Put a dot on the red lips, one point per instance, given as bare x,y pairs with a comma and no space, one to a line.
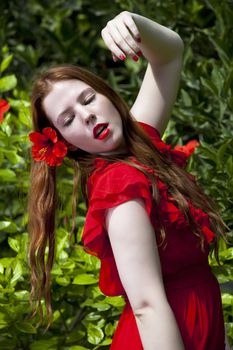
97,128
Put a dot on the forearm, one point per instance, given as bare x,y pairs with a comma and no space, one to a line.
159,330
159,44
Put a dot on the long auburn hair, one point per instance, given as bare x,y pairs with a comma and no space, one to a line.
42,196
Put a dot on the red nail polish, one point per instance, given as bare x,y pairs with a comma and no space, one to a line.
135,58
139,53
139,39
122,57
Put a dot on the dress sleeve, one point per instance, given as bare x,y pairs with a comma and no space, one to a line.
179,154
118,183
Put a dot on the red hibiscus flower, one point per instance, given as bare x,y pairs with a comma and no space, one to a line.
189,148
4,107
47,147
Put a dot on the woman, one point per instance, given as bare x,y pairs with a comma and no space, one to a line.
148,221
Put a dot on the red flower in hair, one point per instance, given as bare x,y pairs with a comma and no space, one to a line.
4,107
47,147
189,148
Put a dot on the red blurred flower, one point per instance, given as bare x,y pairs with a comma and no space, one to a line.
4,107
189,148
47,147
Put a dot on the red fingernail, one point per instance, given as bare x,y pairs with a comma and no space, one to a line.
139,53
122,57
135,58
139,39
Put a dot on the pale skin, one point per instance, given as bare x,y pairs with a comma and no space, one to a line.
136,254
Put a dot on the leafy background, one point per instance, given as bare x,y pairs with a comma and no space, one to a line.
36,34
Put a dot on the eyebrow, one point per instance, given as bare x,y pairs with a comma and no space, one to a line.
68,109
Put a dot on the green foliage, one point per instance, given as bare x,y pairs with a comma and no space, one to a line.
47,33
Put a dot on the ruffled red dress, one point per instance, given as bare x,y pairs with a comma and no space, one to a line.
192,289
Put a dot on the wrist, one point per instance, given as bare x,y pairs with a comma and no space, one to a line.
159,44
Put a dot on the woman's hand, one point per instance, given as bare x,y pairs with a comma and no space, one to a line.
122,36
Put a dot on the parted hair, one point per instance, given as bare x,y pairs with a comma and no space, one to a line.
42,196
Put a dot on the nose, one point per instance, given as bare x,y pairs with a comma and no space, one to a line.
90,118
87,116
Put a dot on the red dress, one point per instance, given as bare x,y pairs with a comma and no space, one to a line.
192,289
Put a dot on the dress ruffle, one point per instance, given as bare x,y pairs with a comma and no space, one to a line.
117,184
178,154
171,214
173,217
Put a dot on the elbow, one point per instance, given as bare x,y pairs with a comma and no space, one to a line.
180,44
158,305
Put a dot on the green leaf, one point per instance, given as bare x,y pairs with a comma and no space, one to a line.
229,166
117,301
186,98
217,79
227,299
8,226
25,327
78,347
14,244
221,151
85,279
44,344
69,264
6,262
12,156
208,150
62,242
1,158
227,254
3,320
4,224
56,270
222,54
63,280
5,126
106,341
94,334
25,119
8,82
17,273
5,63
100,306
210,86
92,316
7,175
1,268
109,329
22,295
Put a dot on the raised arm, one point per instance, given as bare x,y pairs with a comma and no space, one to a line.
163,48
135,251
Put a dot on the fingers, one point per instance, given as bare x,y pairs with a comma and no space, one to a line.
114,57
132,26
121,36
112,45
126,41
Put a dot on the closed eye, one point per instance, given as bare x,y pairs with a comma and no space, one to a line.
88,100
69,120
